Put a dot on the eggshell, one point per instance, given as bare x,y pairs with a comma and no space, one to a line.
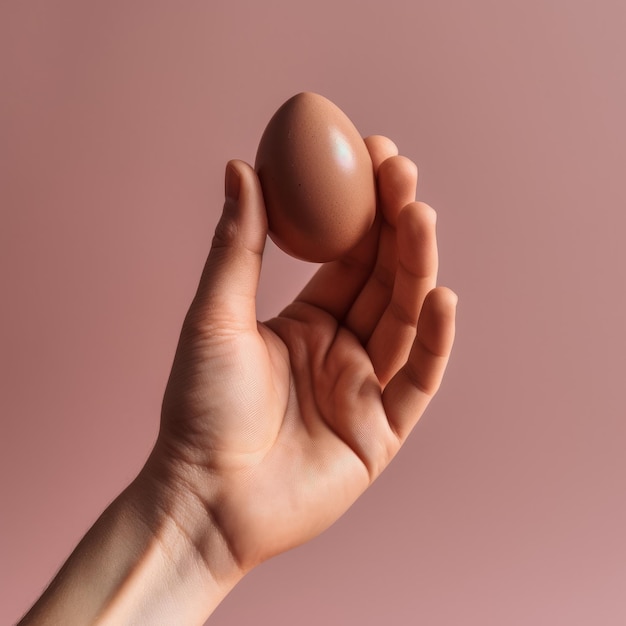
317,179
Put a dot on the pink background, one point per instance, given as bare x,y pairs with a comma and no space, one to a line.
507,505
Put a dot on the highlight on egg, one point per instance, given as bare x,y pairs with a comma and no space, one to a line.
317,179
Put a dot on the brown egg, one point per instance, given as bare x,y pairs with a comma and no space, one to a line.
317,179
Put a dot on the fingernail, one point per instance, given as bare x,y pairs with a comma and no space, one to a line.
232,184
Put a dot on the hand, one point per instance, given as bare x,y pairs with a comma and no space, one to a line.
268,431
271,430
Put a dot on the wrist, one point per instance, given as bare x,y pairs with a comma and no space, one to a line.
146,560
185,533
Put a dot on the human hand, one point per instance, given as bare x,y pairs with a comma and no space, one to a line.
270,431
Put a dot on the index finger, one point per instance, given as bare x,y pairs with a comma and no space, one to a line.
336,285
380,149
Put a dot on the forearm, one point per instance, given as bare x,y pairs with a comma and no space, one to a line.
137,565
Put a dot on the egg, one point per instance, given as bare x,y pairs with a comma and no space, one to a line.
317,179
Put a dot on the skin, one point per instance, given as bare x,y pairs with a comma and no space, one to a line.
269,431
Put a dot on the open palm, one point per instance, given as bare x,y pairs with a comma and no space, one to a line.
277,428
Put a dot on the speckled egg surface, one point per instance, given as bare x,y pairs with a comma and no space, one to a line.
317,179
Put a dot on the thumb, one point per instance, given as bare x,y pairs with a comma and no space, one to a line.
226,296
